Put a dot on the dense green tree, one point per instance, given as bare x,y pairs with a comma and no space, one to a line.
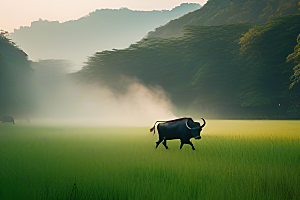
295,78
16,79
295,56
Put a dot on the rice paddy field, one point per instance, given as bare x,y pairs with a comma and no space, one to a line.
233,160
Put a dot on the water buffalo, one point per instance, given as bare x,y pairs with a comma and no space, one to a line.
7,119
182,128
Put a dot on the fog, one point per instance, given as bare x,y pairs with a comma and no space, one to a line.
100,30
61,100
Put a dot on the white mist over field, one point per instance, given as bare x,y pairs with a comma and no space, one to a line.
63,101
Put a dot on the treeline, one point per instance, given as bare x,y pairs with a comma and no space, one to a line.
226,71
295,56
16,79
217,12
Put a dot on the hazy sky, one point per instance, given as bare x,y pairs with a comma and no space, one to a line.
16,13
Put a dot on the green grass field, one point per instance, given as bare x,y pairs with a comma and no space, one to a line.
233,160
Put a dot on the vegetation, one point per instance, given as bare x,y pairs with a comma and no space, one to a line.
225,71
232,70
15,73
217,12
233,160
265,54
295,56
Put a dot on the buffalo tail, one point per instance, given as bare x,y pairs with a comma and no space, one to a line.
153,129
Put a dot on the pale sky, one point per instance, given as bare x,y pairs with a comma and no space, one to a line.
16,13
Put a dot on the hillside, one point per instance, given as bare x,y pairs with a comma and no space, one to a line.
103,29
217,12
16,83
226,71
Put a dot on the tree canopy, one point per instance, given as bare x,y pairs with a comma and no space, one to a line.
295,56
225,71
16,86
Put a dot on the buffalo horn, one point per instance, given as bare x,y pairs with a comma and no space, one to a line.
204,123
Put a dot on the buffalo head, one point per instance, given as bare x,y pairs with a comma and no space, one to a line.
195,128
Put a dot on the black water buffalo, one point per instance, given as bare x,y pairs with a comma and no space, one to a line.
182,128
7,119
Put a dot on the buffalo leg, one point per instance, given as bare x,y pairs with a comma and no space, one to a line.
181,145
165,143
190,143
158,142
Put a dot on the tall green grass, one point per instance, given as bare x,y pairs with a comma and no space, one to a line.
233,160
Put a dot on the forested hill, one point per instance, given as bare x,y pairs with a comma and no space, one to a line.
226,71
16,79
102,29
217,12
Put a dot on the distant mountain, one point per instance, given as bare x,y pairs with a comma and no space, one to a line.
217,12
103,29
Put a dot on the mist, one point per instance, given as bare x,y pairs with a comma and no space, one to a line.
63,100
100,30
